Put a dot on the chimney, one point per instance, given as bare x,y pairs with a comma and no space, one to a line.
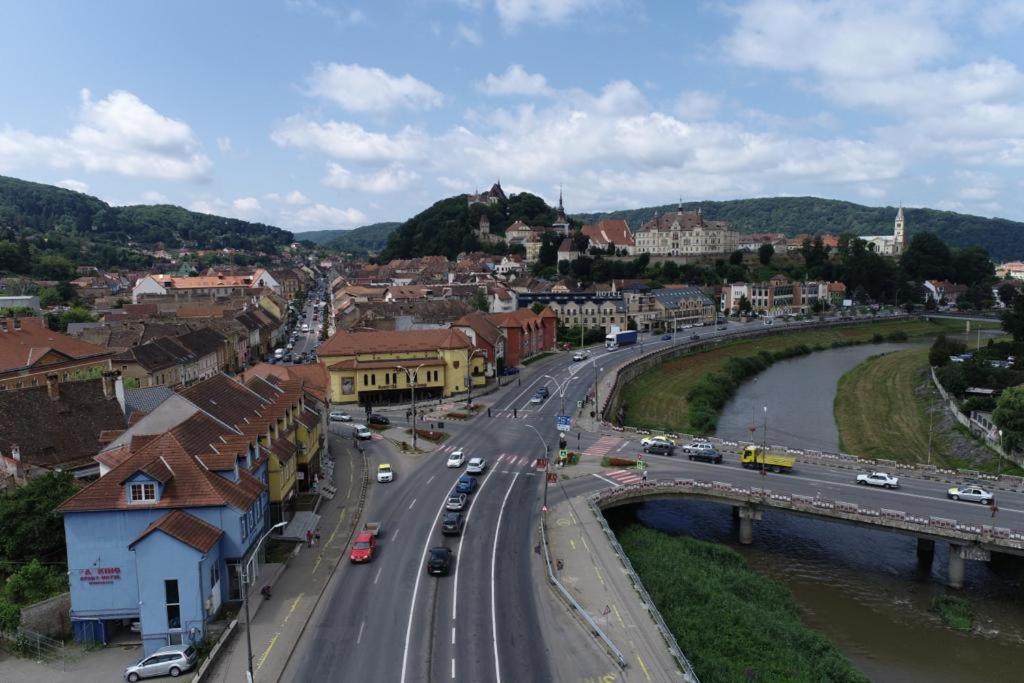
52,388
108,384
16,452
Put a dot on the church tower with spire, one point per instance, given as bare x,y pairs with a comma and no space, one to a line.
899,236
561,224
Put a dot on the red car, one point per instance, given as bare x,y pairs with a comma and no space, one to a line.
363,547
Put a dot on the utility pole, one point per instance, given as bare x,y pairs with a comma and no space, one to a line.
764,441
410,376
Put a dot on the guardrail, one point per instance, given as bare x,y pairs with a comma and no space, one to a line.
614,651
949,529
670,640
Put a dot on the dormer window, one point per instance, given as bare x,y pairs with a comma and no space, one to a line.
141,493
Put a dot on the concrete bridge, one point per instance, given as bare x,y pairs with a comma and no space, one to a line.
967,541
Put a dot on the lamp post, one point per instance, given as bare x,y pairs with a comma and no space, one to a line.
469,374
410,376
999,464
597,377
547,463
764,442
245,598
560,388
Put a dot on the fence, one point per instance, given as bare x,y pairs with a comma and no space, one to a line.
40,648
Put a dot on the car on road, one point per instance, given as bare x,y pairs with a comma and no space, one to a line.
172,660
305,326
287,358
456,459
706,455
694,337
476,466
648,440
543,391
439,562
466,484
578,356
362,432
340,416
698,447
385,473
537,399
666,337
883,479
376,419
510,371
971,493
456,501
660,448
452,523
363,548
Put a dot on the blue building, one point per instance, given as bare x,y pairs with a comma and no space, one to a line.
159,538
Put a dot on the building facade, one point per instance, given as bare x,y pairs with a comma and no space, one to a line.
30,351
685,233
889,245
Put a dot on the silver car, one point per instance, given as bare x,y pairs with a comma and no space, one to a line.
172,660
972,493
456,501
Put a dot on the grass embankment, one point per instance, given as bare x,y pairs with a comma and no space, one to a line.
657,398
955,612
732,623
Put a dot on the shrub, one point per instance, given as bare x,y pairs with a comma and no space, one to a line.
430,434
897,336
877,338
955,612
612,461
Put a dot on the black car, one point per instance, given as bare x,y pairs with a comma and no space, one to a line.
451,524
658,448
439,562
706,455
287,358
378,419
694,337
543,391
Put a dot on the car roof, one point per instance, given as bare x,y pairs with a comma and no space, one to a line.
167,649
384,466
478,458
364,536
440,549
457,495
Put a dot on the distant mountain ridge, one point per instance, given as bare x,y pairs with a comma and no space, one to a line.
364,239
1002,238
39,208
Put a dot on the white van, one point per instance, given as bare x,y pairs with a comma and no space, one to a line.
305,327
279,353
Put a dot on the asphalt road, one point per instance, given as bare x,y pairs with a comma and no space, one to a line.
389,621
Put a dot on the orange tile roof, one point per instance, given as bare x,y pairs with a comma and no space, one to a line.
352,343
186,528
23,341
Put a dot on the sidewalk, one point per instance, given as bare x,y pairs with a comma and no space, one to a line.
277,623
597,579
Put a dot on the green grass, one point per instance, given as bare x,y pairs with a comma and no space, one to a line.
657,398
732,623
955,612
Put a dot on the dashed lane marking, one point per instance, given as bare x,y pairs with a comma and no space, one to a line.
263,657
295,603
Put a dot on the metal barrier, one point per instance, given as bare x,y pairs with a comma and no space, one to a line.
615,652
39,647
689,674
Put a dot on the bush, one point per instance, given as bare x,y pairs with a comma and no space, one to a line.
897,336
612,461
877,338
955,612
430,434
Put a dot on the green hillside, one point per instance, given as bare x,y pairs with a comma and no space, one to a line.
34,211
798,215
361,240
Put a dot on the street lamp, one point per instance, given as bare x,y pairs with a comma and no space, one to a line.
469,374
547,463
764,442
597,403
410,376
245,579
999,464
560,388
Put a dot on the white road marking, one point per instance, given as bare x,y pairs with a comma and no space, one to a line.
624,444
613,483
360,638
431,478
412,503
377,577
494,564
472,504
394,535
453,635
453,668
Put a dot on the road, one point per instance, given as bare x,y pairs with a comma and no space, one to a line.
390,621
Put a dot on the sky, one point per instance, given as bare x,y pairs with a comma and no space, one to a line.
314,114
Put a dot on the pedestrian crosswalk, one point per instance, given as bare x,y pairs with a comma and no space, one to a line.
625,476
505,461
602,446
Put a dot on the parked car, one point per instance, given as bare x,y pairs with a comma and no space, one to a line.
886,481
456,459
439,562
706,455
465,484
697,447
340,416
172,660
362,432
972,493
363,548
376,419
452,523
660,448
648,440
456,501
385,473
476,466
510,371
666,337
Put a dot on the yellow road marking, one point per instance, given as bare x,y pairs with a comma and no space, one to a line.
295,603
562,521
644,667
584,542
572,543
618,616
263,657
598,572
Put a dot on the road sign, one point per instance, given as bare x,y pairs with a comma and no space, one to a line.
552,477
564,423
541,464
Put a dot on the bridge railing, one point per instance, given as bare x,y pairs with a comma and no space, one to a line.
950,529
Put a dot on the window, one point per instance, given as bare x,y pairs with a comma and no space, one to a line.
173,603
455,365
214,574
140,493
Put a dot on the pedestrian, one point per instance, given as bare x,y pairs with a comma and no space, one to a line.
316,537
644,476
519,382
309,538
995,509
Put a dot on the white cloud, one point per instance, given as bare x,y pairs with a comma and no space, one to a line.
214,206
360,89
871,191
515,12
153,197
325,216
391,179
118,134
72,184
469,34
224,144
296,198
516,81
696,104
977,186
1001,16
349,140
246,204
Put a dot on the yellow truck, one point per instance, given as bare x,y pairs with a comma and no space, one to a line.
754,457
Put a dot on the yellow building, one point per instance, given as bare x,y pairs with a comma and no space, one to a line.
307,439
370,368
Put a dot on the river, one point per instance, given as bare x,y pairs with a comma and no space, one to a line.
860,587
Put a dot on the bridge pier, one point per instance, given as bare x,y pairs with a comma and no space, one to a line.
925,552
745,516
956,566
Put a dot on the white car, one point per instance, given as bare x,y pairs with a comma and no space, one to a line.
339,416
476,466
385,473
886,481
362,432
578,356
456,459
970,492
657,438
698,447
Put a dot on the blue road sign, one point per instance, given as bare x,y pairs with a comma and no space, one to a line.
564,423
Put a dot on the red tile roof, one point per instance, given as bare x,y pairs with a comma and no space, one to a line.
352,343
609,231
23,341
186,528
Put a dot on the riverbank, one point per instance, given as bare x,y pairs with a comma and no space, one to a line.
733,623
657,399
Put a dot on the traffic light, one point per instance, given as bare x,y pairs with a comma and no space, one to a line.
561,444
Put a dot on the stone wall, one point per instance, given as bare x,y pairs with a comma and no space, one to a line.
50,617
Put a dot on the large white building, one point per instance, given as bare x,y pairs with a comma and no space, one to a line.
889,245
685,233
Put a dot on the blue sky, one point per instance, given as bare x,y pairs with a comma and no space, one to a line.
312,114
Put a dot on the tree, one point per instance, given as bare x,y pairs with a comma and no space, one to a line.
28,526
928,258
736,258
564,267
479,301
537,307
1006,293
765,253
631,324
942,348
743,306
1009,416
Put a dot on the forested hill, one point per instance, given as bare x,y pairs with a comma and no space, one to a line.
362,240
1003,239
39,209
446,228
